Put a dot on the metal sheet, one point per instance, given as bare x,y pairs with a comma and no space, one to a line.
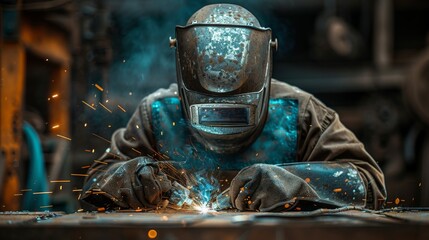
171,224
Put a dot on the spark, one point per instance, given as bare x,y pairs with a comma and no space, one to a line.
79,175
122,109
85,124
55,126
86,166
55,95
87,104
338,190
137,151
47,206
203,209
130,93
98,161
101,137
152,233
110,111
61,187
60,181
39,193
47,59
77,190
66,138
96,193
99,87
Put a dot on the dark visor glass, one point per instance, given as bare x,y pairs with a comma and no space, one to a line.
223,116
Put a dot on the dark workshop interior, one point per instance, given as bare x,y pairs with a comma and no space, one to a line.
73,71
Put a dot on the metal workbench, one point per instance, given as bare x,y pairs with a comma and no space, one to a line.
170,224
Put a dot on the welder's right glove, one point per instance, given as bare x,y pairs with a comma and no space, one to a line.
265,187
152,184
136,183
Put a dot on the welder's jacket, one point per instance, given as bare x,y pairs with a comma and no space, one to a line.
301,134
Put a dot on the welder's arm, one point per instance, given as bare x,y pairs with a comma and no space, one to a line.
324,138
136,183
265,187
126,175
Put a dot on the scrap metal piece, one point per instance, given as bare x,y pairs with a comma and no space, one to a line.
180,196
222,201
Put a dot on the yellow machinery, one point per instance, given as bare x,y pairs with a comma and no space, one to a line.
19,37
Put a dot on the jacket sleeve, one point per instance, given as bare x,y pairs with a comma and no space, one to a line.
113,179
323,138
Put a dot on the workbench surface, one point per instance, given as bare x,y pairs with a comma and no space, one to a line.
171,224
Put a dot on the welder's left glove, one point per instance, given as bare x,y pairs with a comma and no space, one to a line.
265,187
135,183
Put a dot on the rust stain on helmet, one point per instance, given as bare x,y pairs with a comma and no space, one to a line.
224,13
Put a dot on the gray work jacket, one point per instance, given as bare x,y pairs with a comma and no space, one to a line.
321,138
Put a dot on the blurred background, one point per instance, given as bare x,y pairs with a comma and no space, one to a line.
73,71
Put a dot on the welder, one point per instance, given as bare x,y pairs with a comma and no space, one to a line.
272,146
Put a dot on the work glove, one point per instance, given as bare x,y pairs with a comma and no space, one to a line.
154,184
134,183
264,187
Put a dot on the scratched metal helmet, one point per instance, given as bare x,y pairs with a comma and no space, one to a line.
223,61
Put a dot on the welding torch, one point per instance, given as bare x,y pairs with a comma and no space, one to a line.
182,197
222,201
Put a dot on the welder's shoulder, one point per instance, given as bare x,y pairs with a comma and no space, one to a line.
283,90
306,100
161,93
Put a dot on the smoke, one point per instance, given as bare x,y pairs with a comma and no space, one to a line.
205,188
200,192
142,59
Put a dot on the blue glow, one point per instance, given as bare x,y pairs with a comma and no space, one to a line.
206,186
327,174
199,192
276,144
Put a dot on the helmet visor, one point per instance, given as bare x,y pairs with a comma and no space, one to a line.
217,59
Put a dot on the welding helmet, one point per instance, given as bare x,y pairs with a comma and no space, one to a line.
223,63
